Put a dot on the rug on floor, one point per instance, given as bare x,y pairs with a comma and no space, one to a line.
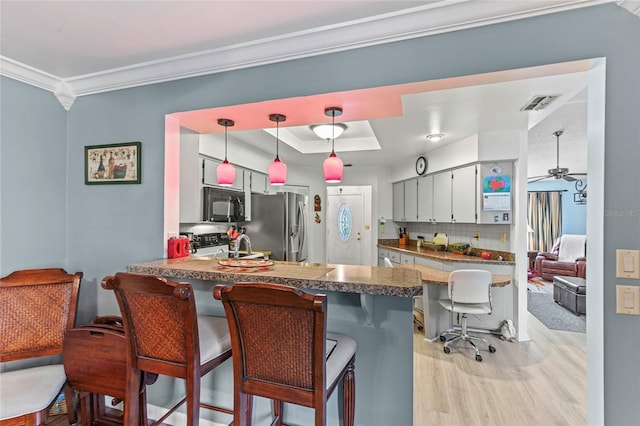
554,316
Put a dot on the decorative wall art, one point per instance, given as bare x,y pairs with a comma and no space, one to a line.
114,163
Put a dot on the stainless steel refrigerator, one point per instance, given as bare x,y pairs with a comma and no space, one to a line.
279,224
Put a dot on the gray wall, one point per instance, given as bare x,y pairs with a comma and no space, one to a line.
109,227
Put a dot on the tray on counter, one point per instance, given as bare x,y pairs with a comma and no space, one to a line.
246,263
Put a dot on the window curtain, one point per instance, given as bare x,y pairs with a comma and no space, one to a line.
544,219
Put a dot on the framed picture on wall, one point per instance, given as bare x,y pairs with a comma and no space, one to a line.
112,164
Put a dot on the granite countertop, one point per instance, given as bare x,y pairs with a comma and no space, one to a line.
438,277
400,282
445,256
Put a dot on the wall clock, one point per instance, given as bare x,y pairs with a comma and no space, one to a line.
421,165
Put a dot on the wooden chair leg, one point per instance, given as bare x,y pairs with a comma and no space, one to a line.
131,403
278,412
349,394
243,408
193,400
70,399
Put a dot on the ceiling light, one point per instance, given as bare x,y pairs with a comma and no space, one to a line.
225,172
435,137
277,169
333,166
327,131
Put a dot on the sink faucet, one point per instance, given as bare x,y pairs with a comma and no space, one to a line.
237,246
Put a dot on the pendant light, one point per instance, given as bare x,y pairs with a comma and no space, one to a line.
277,169
226,172
333,166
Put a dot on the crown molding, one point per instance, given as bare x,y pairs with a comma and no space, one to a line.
435,18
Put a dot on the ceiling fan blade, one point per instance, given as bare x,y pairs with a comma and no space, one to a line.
569,178
537,178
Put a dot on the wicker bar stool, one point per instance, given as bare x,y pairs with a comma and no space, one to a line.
166,336
37,306
282,351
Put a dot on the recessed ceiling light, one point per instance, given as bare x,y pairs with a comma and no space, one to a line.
435,137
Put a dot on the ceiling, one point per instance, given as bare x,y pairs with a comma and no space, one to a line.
77,48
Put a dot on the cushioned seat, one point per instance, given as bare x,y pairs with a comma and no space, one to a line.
567,258
41,384
571,292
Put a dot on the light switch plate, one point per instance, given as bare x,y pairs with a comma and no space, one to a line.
628,264
628,299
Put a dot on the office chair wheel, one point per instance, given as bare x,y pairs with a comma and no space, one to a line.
420,328
492,349
479,358
443,338
447,350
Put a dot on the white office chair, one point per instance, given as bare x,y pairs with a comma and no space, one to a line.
387,263
469,293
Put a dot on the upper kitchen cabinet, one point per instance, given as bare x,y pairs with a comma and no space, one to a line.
405,201
190,179
463,195
425,199
454,195
209,175
260,184
442,197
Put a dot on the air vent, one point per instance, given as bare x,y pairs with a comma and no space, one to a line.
538,103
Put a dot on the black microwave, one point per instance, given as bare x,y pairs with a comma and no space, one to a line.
222,205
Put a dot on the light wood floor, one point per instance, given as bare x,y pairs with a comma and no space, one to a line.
537,383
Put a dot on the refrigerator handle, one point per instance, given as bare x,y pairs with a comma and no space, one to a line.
302,231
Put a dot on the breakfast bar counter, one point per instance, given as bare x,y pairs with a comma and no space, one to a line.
313,276
372,305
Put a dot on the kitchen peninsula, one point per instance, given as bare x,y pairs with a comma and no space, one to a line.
372,305
435,266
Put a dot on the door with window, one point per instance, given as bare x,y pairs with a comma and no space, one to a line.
348,235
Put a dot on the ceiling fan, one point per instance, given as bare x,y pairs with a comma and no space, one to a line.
558,172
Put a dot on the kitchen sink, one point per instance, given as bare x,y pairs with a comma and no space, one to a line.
254,255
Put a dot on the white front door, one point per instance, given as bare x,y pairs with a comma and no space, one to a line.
347,229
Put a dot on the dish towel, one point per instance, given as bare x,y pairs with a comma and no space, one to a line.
572,247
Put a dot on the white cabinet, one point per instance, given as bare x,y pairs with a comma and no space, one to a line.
406,259
260,184
405,201
411,200
247,195
382,253
442,197
463,195
425,199
190,180
398,201
454,195
210,177
394,257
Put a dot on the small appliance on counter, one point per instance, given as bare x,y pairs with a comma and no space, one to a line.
178,247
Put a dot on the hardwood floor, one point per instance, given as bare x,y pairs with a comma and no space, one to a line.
536,383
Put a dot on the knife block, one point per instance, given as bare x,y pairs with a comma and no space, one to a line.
404,240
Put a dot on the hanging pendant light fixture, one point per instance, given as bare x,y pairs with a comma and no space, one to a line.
226,172
277,169
333,166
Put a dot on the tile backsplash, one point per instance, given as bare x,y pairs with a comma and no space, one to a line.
492,237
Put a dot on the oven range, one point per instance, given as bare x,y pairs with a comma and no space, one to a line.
211,245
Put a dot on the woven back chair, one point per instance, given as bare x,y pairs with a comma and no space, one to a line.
166,336
279,340
37,307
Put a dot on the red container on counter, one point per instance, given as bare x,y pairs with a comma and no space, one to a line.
178,247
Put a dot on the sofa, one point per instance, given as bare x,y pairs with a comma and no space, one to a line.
567,258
